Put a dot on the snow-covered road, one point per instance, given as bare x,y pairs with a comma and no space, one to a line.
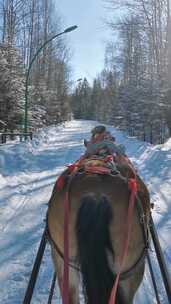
27,175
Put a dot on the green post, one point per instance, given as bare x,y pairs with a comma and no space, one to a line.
69,29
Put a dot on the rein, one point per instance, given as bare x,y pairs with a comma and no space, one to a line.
65,283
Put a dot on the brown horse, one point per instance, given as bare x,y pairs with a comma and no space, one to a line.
98,205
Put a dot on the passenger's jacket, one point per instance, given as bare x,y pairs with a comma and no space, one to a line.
105,146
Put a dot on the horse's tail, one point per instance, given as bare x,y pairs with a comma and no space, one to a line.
94,247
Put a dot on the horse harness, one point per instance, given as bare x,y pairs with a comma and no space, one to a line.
100,166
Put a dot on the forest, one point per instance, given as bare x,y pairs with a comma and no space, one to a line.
132,92
24,27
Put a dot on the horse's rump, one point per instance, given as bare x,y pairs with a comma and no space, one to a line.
102,200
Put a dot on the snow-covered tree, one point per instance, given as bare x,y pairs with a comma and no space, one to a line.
11,87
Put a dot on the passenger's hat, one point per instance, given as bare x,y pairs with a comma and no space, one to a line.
98,130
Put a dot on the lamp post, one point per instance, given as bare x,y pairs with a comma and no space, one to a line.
67,30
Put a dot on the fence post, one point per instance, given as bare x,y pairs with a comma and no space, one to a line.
3,138
144,135
151,133
161,133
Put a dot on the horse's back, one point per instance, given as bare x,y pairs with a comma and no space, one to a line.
117,195
116,190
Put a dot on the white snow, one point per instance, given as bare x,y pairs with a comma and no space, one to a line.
27,175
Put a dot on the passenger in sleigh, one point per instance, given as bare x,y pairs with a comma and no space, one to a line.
102,143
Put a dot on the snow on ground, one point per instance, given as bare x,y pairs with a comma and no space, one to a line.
27,175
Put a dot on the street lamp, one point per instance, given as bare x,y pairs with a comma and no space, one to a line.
67,30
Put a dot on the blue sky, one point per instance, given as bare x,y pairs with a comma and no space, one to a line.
88,41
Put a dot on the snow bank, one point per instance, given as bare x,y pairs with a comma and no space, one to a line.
27,175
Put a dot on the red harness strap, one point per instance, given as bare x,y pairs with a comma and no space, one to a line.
65,283
61,179
133,187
